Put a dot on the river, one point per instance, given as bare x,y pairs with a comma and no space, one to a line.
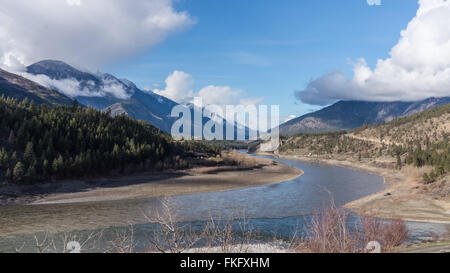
278,210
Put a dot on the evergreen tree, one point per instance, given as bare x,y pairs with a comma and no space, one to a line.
8,174
11,137
58,164
18,171
399,162
28,155
3,158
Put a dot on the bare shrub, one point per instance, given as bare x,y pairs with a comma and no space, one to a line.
395,234
329,232
390,234
50,243
170,236
230,236
122,241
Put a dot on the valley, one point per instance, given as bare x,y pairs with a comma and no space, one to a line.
411,153
107,153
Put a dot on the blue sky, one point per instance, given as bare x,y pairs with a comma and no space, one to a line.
270,48
299,54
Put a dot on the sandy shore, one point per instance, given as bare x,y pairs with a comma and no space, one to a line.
401,199
147,185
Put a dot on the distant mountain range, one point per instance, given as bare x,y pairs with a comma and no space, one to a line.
348,115
105,92
98,90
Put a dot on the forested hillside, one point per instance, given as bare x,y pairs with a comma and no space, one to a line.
39,143
419,140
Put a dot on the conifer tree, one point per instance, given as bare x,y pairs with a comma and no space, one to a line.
18,171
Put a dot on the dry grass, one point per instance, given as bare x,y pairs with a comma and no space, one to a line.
234,158
414,173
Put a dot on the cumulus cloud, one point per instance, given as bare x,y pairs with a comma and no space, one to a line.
418,67
179,87
220,95
83,32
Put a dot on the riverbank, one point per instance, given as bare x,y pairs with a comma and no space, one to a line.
148,185
403,198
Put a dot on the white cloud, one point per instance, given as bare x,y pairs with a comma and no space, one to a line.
251,101
220,95
74,2
291,117
73,88
418,67
83,32
374,2
179,87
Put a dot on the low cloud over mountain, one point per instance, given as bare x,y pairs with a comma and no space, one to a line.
76,83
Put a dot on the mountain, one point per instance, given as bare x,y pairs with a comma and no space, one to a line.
348,115
424,128
96,90
106,92
420,140
118,96
144,106
15,86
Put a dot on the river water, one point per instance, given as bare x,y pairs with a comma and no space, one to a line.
278,210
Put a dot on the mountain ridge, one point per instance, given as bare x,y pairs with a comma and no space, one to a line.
348,115
105,92
135,103
138,104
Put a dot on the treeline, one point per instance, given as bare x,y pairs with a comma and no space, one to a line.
230,144
39,143
324,143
